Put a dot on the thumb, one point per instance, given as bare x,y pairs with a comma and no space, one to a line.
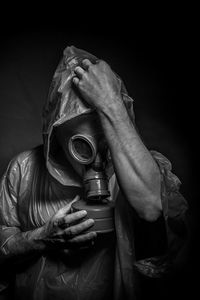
67,208
75,199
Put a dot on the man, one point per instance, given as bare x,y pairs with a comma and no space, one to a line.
52,250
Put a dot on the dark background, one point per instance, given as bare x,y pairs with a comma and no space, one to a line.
155,56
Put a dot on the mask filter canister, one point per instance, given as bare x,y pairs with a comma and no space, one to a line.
83,149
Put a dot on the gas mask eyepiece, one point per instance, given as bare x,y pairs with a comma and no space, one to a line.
82,148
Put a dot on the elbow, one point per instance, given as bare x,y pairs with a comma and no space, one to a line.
152,211
152,215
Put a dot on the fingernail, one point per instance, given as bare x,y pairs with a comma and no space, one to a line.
83,212
91,221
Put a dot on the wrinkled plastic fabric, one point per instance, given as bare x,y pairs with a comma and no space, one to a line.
65,103
34,187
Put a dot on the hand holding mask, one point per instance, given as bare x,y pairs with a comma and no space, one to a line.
68,230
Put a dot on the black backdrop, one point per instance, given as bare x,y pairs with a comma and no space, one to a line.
154,59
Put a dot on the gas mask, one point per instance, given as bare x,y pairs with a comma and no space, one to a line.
90,152
86,147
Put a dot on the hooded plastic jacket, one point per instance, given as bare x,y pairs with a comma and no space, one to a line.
36,185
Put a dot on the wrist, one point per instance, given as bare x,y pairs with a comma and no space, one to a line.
35,237
114,110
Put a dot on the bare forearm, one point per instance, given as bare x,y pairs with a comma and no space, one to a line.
22,246
136,170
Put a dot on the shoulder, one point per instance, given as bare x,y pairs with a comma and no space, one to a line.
31,154
24,160
20,170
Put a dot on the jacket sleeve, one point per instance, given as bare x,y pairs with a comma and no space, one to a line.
170,232
149,248
9,223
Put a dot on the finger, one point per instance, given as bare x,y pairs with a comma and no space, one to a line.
86,63
79,71
102,62
76,80
75,199
73,217
67,208
76,229
83,238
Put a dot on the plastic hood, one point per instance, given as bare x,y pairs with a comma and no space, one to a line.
64,103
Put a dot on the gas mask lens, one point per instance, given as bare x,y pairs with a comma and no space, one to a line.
82,148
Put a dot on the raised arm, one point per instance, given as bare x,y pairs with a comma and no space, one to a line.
137,172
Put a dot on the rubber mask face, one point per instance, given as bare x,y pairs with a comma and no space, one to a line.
82,139
85,147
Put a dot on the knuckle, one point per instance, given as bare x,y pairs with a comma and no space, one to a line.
102,62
